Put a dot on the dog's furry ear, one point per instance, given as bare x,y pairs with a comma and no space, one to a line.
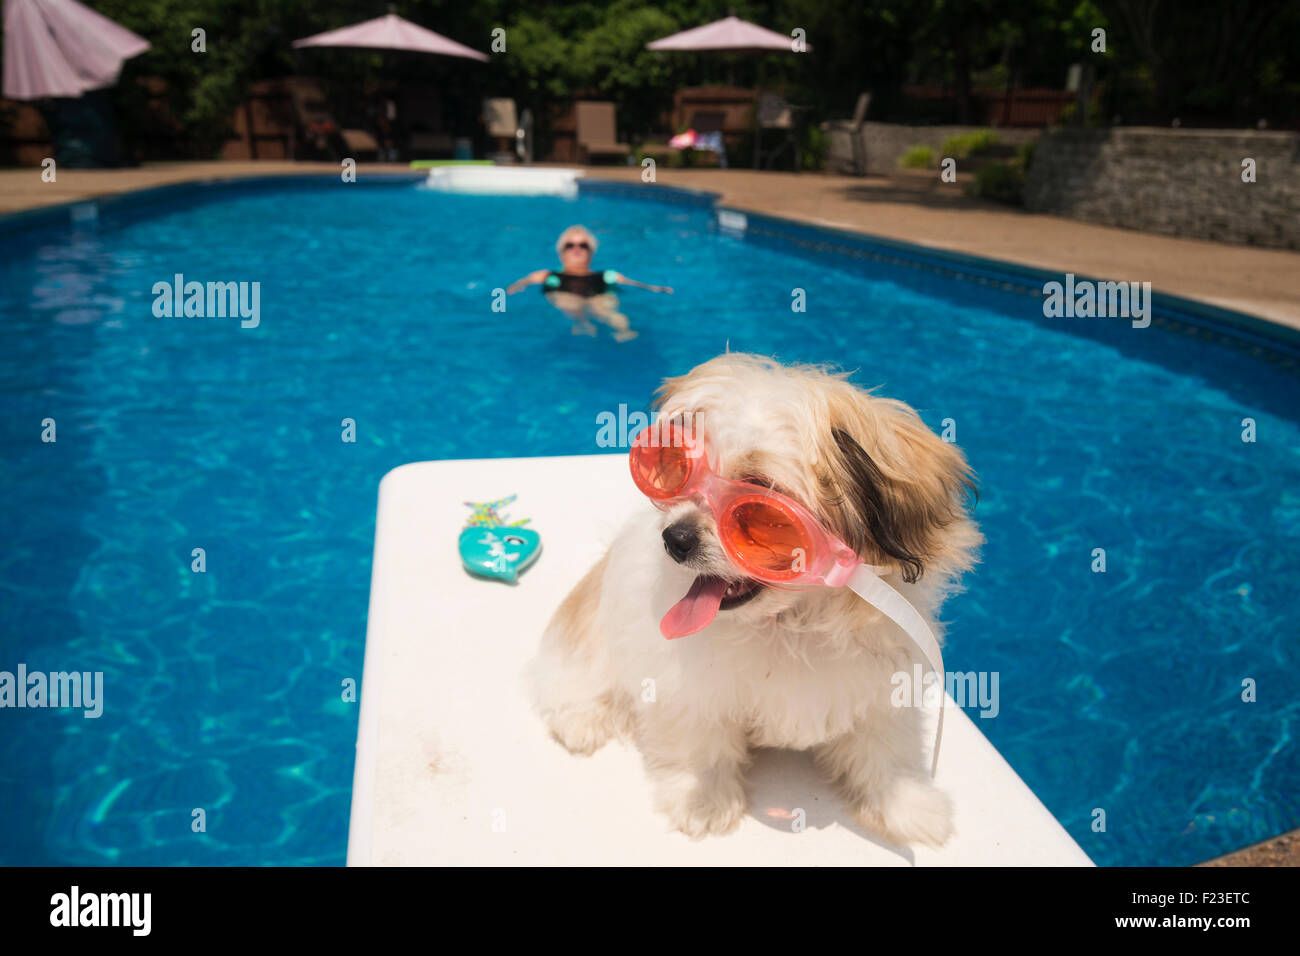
898,502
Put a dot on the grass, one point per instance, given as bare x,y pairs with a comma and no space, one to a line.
430,163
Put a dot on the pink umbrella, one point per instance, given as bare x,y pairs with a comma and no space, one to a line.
391,32
729,35
59,48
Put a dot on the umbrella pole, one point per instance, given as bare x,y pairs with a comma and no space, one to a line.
293,125
758,95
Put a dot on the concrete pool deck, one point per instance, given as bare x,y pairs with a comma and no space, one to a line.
1257,281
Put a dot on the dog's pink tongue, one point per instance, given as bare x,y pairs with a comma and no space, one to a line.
694,612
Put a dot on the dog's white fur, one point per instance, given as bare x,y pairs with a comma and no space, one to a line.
799,669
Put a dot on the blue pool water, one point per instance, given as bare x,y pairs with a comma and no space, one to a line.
1120,691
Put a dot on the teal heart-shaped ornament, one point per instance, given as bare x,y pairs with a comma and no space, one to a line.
500,553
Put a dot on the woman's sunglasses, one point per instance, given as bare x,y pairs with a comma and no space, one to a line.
577,245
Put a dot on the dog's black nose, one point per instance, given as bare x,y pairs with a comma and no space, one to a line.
682,540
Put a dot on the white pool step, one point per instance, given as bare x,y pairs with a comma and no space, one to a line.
454,768
505,180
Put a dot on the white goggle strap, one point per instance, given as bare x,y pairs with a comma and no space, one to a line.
868,585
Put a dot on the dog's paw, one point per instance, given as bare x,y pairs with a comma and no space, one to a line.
581,732
706,810
911,811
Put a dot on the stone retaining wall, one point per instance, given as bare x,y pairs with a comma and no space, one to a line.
1172,181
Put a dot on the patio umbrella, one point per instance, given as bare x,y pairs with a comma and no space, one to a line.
61,49
728,35
391,32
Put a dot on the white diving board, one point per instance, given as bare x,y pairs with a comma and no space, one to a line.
454,768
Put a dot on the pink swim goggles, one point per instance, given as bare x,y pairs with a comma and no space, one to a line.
768,536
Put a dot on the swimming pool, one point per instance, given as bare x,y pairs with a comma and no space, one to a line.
1119,690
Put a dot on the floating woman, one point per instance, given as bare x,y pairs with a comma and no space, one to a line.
577,291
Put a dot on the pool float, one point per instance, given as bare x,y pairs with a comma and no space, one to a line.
492,547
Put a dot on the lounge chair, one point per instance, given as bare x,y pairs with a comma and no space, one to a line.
360,142
597,132
316,124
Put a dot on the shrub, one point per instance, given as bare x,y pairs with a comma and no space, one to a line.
917,157
1004,182
1025,155
1000,181
969,144
816,146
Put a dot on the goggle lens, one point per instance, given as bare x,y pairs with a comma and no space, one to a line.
661,461
770,542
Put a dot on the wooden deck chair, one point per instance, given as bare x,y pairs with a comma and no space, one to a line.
597,131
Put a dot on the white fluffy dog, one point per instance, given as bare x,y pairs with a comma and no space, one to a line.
775,668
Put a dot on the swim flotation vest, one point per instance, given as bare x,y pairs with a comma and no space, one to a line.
591,284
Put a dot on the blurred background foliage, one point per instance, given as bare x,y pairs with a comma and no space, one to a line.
1206,63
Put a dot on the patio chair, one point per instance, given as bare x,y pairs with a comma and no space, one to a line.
853,129
502,124
597,132
774,113
317,125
